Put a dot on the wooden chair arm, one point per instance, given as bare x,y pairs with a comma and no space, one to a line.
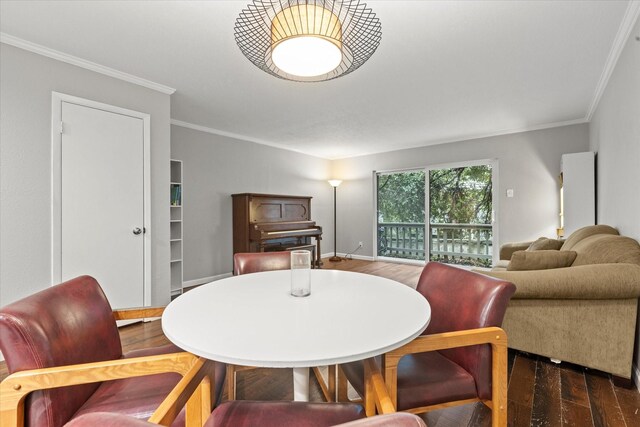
137,313
376,394
16,386
194,390
424,343
494,336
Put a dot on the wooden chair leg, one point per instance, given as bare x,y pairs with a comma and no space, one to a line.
231,382
194,416
342,386
369,400
378,393
200,405
332,382
499,383
328,387
208,398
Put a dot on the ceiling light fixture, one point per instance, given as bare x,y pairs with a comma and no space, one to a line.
308,40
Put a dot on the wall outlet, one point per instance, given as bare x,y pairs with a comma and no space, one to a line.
360,244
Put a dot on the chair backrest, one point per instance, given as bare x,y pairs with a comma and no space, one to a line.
62,325
461,300
244,263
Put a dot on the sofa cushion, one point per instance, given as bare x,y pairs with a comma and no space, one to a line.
499,265
605,249
596,281
137,397
423,379
541,260
543,244
585,232
429,379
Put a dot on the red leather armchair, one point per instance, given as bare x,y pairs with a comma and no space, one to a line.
462,355
63,351
271,414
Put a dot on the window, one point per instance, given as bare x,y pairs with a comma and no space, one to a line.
459,203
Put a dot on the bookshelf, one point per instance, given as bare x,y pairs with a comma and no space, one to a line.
175,228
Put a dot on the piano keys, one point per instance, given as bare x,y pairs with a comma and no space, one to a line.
269,222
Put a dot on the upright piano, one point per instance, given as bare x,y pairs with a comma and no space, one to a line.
270,222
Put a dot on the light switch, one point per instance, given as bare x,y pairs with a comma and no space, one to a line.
510,192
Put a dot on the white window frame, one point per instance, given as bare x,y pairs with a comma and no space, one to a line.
495,201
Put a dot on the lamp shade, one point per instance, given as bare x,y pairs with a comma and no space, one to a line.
335,182
308,40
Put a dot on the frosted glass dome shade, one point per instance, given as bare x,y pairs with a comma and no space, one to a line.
306,56
306,41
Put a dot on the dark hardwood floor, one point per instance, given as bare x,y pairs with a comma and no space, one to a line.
540,393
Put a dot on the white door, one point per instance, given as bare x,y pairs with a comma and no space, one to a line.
102,201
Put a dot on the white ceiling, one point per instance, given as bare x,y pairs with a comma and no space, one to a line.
444,71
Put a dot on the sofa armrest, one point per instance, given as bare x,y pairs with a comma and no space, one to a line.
594,281
508,249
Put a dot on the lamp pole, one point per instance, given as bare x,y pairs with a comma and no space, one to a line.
335,258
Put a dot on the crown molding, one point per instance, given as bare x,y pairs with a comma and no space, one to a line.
240,137
419,145
471,137
624,31
83,63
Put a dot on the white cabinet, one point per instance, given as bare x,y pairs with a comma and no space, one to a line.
175,228
578,191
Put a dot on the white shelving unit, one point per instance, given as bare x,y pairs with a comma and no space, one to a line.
175,228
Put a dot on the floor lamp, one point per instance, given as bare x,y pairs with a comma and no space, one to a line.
334,183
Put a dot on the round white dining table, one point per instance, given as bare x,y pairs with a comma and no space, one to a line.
252,320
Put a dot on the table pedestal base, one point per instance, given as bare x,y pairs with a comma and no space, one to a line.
301,384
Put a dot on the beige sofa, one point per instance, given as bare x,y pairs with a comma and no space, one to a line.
584,313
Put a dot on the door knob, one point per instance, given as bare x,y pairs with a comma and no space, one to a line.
137,231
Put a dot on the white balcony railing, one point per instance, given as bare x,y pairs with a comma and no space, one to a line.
451,243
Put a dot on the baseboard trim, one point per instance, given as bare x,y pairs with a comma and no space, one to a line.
402,261
351,256
635,376
362,257
203,280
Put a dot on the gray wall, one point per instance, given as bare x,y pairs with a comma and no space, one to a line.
615,136
214,167
26,83
528,162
